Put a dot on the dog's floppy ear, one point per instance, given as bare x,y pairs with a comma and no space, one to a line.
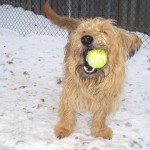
130,43
61,21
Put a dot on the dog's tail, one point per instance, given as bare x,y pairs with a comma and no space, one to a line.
61,21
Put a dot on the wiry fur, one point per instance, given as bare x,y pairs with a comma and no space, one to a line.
99,92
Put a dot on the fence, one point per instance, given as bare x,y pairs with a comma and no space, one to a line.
133,15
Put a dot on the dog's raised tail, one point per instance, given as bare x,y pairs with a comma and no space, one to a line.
61,21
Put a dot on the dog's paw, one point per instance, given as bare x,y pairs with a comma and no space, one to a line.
62,132
105,133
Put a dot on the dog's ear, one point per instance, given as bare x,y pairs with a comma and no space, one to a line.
61,21
130,43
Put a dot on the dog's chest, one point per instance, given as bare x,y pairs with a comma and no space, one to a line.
88,100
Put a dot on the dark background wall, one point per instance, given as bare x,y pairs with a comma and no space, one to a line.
133,15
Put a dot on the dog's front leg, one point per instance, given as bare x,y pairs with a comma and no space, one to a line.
99,127
67,121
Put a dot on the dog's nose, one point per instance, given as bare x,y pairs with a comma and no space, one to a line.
87,40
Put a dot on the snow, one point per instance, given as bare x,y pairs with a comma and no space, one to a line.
31,67
26,22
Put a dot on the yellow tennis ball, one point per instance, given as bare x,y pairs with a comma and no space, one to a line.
96,58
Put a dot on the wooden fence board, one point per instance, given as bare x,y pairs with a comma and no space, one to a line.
147,18
29,5
132,10
123,13
76,11
115,10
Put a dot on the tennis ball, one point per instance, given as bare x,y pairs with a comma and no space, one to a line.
96,58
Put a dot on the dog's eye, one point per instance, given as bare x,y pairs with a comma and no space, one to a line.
105,32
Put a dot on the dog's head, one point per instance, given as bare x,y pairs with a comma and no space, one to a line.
89,34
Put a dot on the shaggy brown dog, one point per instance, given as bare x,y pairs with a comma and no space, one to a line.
84,87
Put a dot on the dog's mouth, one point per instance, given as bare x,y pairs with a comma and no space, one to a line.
87,68
85,71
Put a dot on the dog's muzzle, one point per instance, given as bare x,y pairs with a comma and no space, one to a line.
87,41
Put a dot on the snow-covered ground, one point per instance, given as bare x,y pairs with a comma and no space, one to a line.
30,73
26,22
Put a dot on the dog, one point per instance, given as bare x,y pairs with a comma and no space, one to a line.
84,87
